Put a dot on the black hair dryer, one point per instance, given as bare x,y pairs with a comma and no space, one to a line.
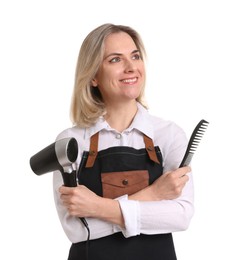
60,155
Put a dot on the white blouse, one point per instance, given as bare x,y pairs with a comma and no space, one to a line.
155,217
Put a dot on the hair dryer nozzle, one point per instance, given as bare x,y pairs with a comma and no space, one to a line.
58,156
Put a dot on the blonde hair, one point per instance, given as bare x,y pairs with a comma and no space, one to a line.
87,104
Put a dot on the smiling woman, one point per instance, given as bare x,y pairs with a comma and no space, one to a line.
95,53
130,190
120,78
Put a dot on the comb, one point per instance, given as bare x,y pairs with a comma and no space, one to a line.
194,141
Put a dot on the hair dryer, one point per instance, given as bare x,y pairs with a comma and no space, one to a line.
60,155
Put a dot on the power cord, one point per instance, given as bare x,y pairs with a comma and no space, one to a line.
88,238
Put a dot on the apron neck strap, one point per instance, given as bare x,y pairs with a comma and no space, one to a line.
93,150
149,146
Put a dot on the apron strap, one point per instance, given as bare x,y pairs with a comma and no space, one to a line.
93,150
149,146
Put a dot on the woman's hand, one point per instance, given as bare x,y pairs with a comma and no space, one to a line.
79,201
167,187
170,185
82,202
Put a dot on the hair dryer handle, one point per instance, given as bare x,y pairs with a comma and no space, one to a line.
69,179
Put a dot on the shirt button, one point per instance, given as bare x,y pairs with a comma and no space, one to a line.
118,136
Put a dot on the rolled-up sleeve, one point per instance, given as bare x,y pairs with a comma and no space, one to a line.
131,213
158,217
168,216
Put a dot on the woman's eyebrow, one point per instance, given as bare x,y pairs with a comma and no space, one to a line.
119,54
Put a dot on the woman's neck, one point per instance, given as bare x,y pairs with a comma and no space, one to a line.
120,116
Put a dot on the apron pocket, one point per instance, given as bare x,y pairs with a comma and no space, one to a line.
116,184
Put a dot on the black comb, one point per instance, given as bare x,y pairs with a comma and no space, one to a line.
194,141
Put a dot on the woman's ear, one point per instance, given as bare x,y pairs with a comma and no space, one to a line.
94,83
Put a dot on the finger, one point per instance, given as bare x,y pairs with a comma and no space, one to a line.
184,178
186,168
63,190
182,171
64,198
66,190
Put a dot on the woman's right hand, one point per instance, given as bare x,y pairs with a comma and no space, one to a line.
167,187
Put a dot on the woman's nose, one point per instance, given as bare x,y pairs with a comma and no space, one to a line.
129,66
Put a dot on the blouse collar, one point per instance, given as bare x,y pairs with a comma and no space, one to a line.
141,122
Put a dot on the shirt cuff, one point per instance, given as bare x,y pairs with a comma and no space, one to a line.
131,214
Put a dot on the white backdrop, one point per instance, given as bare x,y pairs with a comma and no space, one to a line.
192,74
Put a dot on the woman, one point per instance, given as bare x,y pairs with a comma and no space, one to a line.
131,192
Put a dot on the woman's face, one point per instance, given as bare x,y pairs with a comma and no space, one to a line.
122,74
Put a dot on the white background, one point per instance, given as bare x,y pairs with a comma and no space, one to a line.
192,74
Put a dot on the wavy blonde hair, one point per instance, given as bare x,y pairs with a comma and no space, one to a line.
87,104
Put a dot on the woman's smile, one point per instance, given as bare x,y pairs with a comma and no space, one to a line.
129,80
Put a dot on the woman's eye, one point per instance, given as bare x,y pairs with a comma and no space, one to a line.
115,59
136,57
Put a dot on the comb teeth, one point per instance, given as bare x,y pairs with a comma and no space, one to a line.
194,141
198,134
